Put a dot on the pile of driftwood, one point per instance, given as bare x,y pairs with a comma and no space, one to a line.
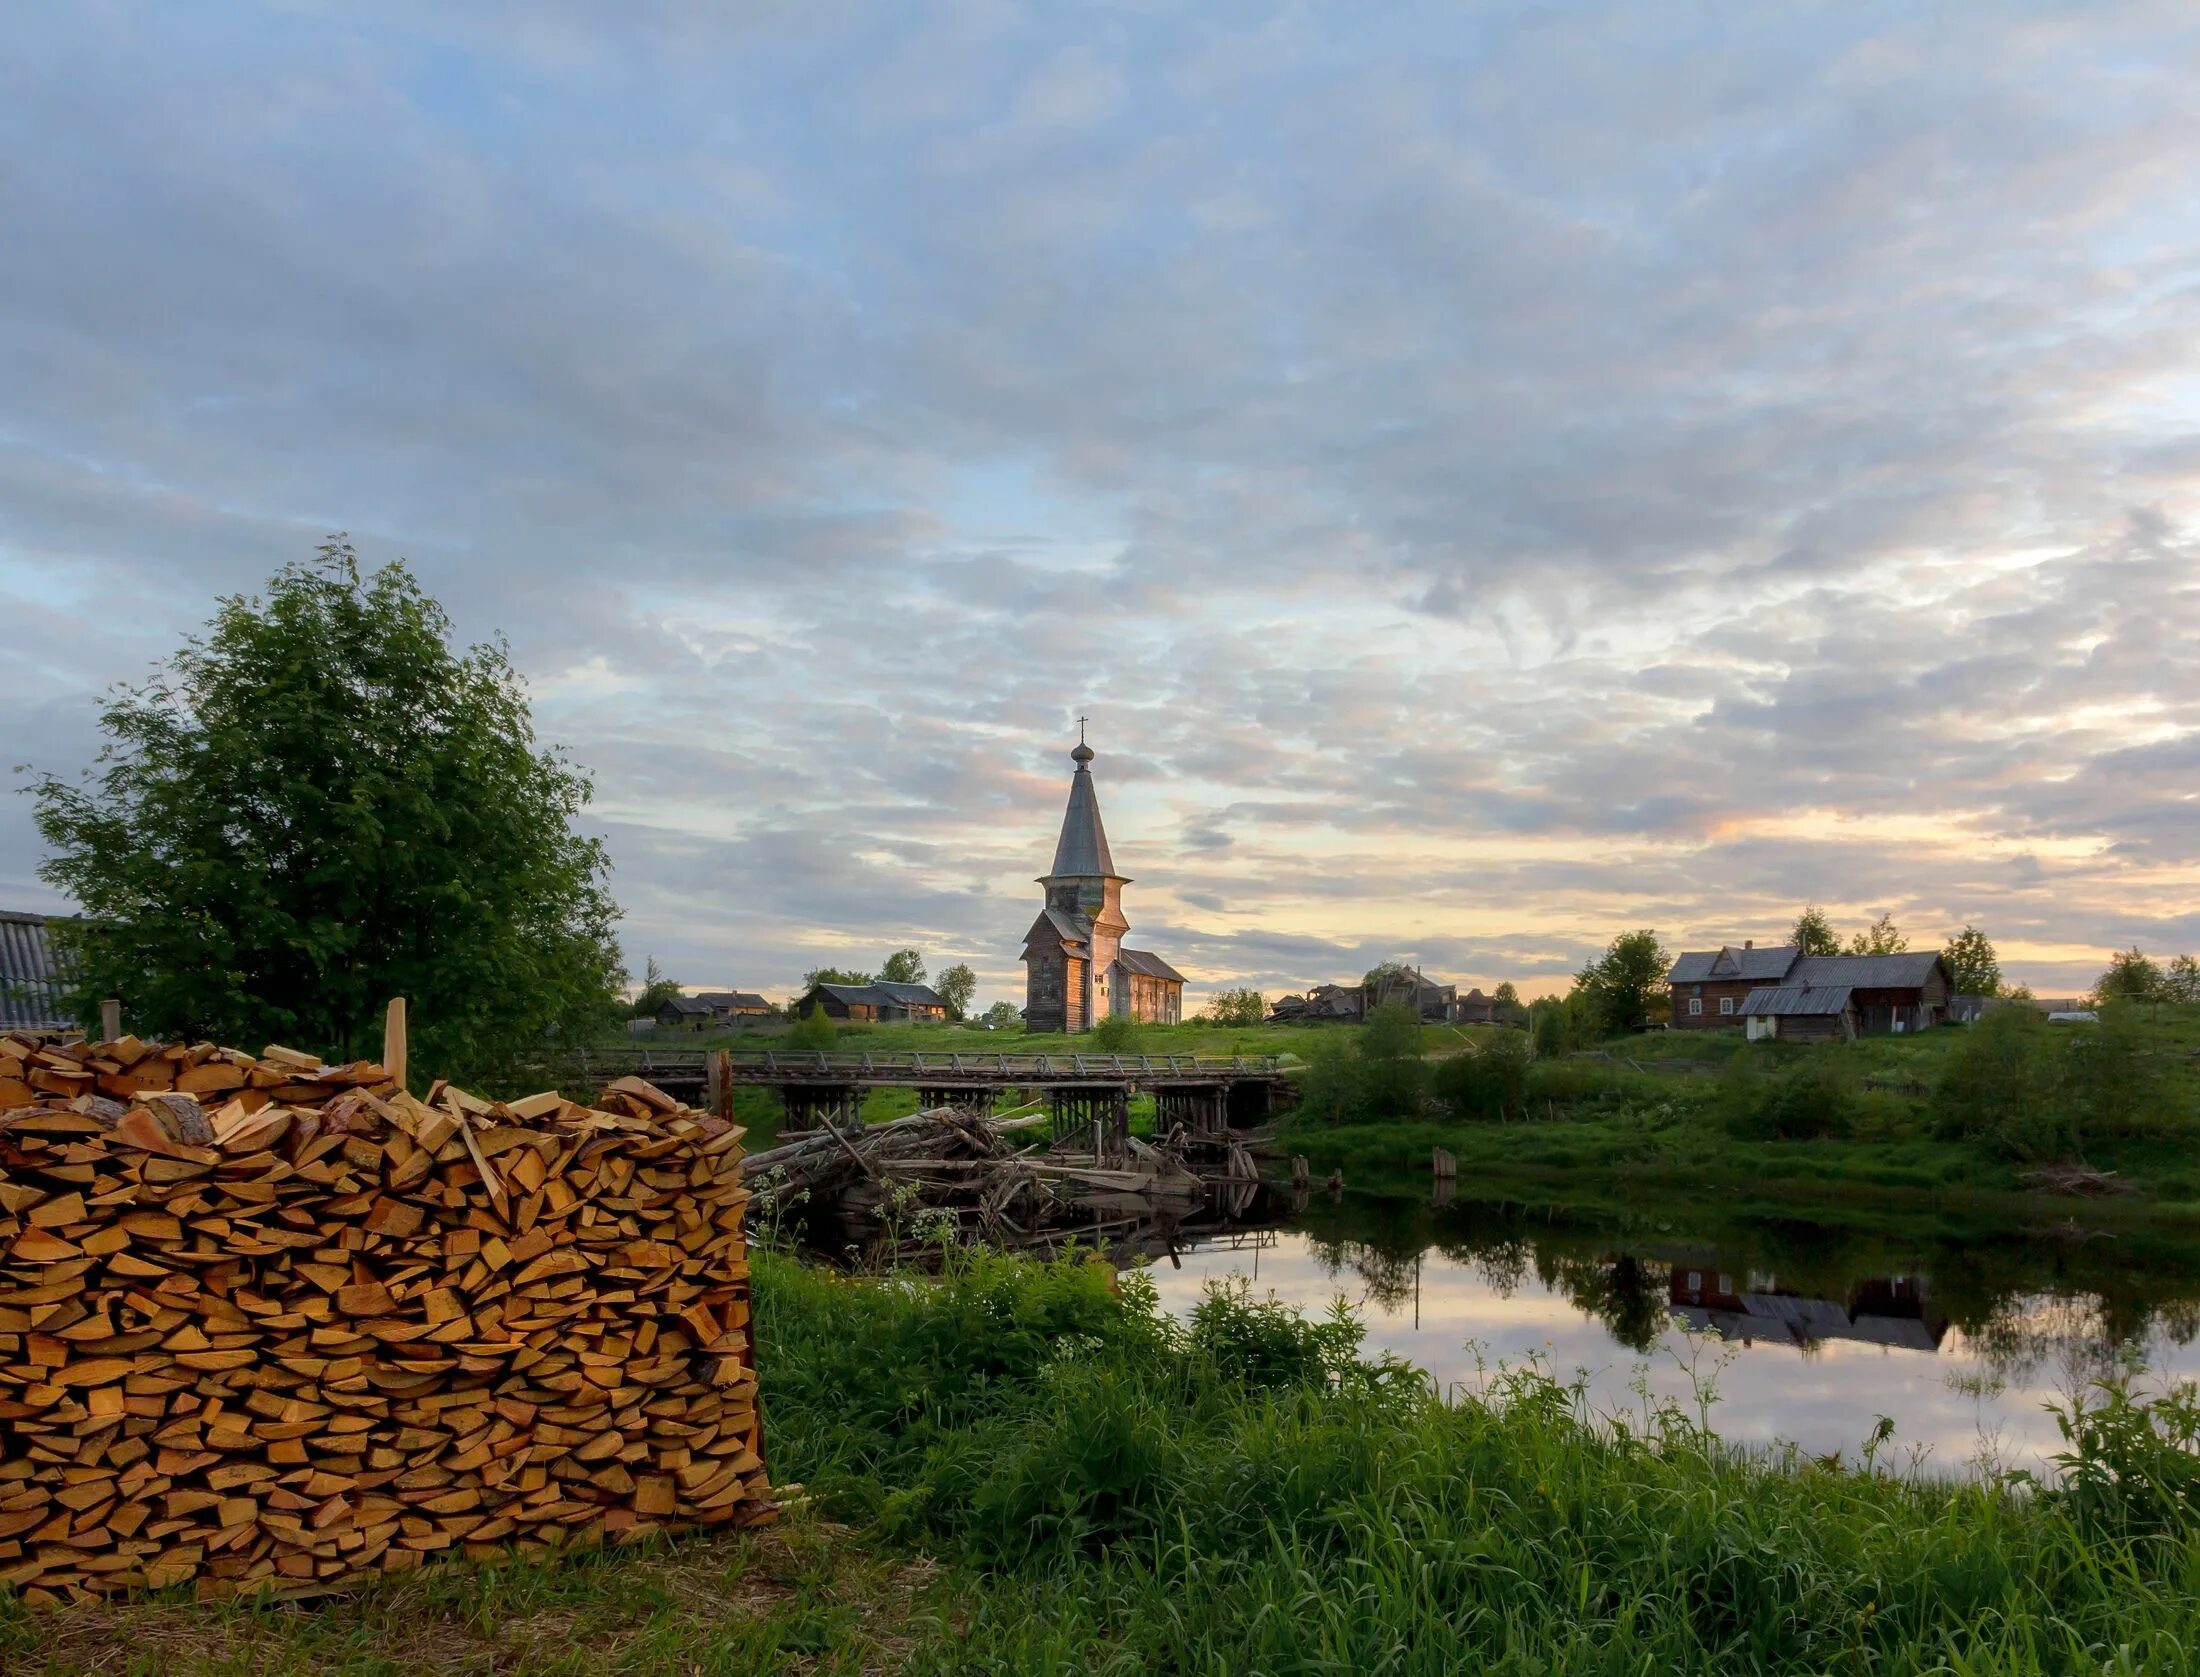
943,1174
266,1322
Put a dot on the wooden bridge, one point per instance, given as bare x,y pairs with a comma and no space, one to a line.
1202,1095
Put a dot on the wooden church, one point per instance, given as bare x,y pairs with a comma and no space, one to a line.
1078,972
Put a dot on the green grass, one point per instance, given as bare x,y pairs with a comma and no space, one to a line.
1030,1471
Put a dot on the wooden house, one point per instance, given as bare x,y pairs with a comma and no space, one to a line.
735,1007
1889,993
1708,986
683,1013
877,1003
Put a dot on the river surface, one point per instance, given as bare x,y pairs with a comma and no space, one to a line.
1795,1331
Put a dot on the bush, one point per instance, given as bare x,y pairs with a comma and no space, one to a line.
2003,1085
1808,1100
813,1030
1381,1076
1491,1082
1116,1034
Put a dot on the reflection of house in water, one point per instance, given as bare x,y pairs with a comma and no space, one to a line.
1895,1310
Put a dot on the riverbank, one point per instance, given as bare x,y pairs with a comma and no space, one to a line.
1026,1469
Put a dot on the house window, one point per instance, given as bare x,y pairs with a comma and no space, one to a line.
1695,1004
1726,1004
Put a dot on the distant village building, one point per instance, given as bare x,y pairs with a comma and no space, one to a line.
1437,1004
735,1007
1780,991
33,976
878,1003
683,1013
1077,971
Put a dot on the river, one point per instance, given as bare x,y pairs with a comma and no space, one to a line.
1795,1331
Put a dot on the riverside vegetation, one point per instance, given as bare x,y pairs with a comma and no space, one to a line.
1022,1466
1977,1108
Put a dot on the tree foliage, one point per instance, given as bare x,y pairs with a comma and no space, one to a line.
1813,933
2181,980
1881,937
833,975
656,990
903,966
1506,995
1237,1007
318,805
1621,984
955,987
1002,1015
1971,958
2131,977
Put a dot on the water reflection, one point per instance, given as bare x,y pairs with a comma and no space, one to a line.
1804,1332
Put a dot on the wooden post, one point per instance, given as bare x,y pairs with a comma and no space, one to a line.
393,1041
721,1083
110,1019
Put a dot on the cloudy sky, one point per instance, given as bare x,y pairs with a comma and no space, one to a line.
1493,475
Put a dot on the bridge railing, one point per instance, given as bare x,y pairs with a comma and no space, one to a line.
918,1066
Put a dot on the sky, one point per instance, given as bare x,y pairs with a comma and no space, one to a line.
1494,476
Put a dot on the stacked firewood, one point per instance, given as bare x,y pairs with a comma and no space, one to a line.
266,1322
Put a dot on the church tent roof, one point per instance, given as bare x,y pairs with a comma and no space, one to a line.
1082,852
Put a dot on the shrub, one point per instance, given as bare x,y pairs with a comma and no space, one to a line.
1491,1082
814,1030
1381,1076
2001,1084
1813,1098
1116,1034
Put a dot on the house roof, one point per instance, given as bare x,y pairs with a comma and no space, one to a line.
1701,966
32,979
883,992
1795,1001
922,995
1867,972
684,1004
731,998
1082,851
1147,964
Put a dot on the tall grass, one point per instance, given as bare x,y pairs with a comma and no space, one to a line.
1244,1493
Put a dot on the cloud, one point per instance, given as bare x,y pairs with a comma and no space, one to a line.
1493,480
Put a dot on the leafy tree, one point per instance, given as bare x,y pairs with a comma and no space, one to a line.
955,986
903,966
317,805
1813,933
1237,1007
1971,958
1551,1026
656,990
1002,1015
2181,982
833,975
2131,977
1390,972
1883,937
1506,995
1621,984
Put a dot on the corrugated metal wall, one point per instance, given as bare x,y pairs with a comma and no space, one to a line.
30,988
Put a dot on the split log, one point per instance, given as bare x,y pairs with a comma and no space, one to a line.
267,1323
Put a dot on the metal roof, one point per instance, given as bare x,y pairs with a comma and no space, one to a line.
1867,972
32,981
1701,966
1791,1001
1082,852
1147,964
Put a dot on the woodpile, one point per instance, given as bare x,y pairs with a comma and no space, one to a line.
945,1174
270,1323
